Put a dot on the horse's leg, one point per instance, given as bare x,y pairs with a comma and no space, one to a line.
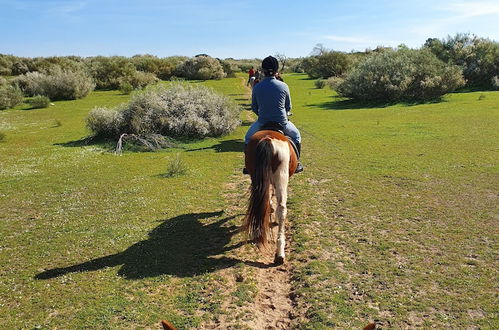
272,205
272,220
281,191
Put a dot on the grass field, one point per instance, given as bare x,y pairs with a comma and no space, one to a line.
395,219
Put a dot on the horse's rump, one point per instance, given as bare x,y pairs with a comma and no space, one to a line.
250,160
270,160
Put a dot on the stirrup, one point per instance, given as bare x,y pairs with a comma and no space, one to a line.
299,168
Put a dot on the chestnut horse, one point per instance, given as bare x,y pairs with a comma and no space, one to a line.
270,160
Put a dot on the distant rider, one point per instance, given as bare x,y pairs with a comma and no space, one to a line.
271,101
251,73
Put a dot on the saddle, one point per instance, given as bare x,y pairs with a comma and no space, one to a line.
277,127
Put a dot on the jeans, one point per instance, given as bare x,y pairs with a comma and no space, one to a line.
289,130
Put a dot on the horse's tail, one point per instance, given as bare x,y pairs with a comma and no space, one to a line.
257,222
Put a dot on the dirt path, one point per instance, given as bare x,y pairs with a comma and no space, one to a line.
271,304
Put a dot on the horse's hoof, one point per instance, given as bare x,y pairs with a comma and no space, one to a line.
278,260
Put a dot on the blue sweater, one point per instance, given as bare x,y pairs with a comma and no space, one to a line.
271,100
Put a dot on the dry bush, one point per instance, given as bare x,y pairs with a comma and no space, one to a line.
58,84
403,74
39,101
201,67
179,111
10,96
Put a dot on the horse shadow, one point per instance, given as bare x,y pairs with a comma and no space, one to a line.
235,145
182,246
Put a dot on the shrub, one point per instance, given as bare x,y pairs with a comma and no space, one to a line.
495,82
57,84
48,64
108,72
229,68
139,79
334,82
104,122
404,74
327,64
6,62
320,83
126,88
175,166
477,57
39,101
146,63
3,81
10,96
163,68
201,67
179,110
19,67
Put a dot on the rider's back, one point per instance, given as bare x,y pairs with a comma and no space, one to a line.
271,100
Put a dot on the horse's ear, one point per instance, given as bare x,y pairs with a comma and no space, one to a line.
167,325
370,326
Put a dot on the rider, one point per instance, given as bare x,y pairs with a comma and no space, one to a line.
251,73
271,101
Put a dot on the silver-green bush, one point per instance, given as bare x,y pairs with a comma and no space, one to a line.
126,88
495,82
106,122
139,79
477,57
179,110
403,74
320,83
201,67
107,72
39,101
58,84
10,96
326,64
334,82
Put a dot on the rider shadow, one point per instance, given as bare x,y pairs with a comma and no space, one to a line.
224,146
182,246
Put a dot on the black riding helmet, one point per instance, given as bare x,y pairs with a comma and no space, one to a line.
270,65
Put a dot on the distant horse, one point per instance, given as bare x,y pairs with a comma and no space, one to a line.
252,81
270,160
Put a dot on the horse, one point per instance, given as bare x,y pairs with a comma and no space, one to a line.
271,160
251,81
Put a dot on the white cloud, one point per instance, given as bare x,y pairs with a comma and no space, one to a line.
456,17
473,9
347,43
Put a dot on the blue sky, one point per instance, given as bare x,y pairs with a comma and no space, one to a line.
239,29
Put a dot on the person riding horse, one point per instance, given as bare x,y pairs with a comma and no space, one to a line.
271,101
251,74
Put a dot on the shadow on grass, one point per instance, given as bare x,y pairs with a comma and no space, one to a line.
182,246
247,123
88,141
225,146
129,146
348,104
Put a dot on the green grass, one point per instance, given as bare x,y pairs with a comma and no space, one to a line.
394,218
400,218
